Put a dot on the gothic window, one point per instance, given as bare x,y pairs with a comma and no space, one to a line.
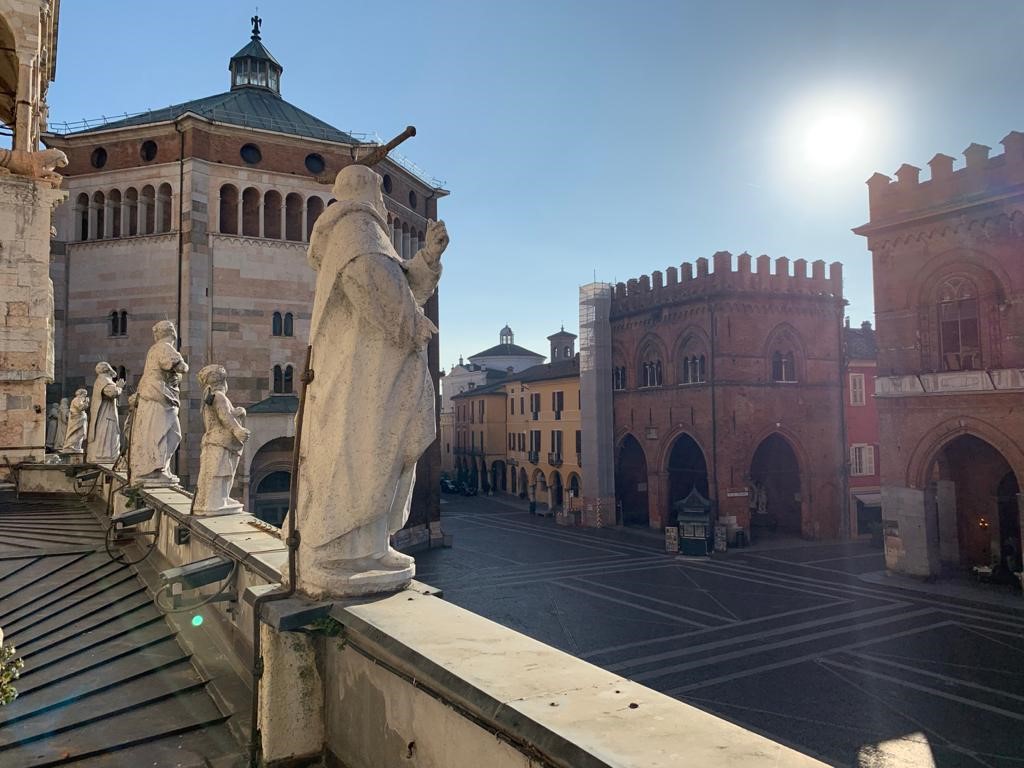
289,324
650,373
783,366
619,377
278,380
115,323
694,370
123,323
959,336
289,380
275,324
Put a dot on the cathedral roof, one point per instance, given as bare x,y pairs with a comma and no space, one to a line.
506,350
560,369
275,404
861,343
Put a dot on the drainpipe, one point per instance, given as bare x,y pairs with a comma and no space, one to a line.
181,258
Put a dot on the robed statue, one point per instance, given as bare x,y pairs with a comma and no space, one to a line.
78,422
63,411
156,432
369,410
223,439
104,427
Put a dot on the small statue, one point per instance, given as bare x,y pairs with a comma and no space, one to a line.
36,165
52,419
126,433
360,446
63,410
78,422
221,447
104,430
156,432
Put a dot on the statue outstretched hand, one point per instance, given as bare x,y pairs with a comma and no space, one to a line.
437,241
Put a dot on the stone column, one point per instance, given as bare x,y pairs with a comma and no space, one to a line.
238,215
284,220
93,222
125,218
405,245
259,215
302,225
108,219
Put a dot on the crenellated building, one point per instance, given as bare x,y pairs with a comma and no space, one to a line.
948,258
722,378
201,213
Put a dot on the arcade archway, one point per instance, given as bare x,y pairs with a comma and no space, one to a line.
631,482
498,477
555,491
270,480
775,476
687,470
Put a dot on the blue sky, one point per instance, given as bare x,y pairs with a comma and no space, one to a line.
582,138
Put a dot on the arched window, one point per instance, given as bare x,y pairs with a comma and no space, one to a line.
568,351
272,204
289,324
289,380
278,380
619,377
115,323
314,207
293,217
131,201
147,200
82,217
251,212
122,374
275,482
275,325
783,366
99,204
163,217
229,210
650,373
114,203
959,337
123,323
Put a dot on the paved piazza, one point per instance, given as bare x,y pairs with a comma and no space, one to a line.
807,643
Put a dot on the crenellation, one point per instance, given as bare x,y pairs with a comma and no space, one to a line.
980,174
649,290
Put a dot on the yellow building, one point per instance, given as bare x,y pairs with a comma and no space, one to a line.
522,435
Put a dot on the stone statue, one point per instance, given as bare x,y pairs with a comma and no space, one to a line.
104,427
126,433
63,410
52,419
222,445
78,422
369,412
156,432
35,165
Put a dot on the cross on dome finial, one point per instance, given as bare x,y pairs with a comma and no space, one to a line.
256,23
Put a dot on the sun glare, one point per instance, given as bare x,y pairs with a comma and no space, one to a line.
829,132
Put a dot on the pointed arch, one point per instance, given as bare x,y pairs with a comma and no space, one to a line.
785,355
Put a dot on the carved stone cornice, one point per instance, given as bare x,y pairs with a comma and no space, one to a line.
244,241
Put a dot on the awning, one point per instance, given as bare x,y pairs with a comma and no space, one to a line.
869,499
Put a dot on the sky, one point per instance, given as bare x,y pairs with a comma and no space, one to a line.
585,139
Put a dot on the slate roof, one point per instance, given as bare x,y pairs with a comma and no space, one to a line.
486,389
506,350
275,404
861,343
105,682
247,106
255,49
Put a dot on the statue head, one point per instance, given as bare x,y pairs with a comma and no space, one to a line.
164,330
81,393
213,376
64,402
104,368
357,183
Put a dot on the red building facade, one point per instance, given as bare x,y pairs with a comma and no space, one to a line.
948,256
727,380
861,413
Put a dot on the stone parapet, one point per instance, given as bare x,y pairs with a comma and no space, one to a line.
950,382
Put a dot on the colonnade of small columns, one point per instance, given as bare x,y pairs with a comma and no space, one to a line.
113,214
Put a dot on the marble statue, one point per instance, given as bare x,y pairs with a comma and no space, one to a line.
104,427
39,164
156,432
221,447
52,419
369,411
78,422
63,410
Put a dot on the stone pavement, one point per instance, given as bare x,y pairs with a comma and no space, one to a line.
787,640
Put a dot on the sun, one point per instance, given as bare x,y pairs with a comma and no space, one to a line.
834,136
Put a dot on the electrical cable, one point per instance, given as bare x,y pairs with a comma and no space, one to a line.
226,582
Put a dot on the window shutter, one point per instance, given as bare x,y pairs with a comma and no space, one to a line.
869,459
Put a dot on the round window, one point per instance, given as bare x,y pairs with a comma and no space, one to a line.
387,183
315,163
251,153
148,150
98,157
412,199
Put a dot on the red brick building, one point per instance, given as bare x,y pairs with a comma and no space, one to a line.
861,424
730,380
948,256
